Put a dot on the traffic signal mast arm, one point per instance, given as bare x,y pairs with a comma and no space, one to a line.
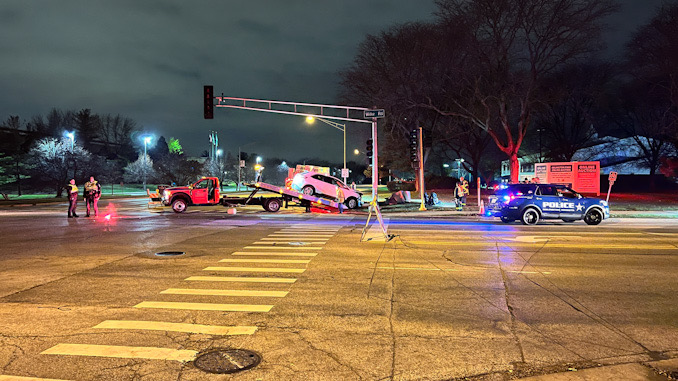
277,108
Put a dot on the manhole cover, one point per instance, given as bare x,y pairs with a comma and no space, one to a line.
169,253
227,360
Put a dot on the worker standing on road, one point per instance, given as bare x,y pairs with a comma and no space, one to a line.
72,191
458,194
92,194
464,187
340,198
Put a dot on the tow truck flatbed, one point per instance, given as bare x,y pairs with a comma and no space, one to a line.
286,196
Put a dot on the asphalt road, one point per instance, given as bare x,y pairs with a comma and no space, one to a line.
87,299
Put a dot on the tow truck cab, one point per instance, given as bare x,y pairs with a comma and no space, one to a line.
203,192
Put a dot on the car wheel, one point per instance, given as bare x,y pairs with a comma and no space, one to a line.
530,217
593,217
179,205
568,220
506,220
273,205
308,190
351,203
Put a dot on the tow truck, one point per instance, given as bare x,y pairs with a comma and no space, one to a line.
206,192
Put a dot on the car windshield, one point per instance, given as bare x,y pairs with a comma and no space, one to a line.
568,193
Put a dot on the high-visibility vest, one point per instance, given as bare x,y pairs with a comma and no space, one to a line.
91,186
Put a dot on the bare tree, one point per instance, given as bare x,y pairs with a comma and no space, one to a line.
574,98
652,58
512,45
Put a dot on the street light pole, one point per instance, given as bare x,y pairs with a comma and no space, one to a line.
340,127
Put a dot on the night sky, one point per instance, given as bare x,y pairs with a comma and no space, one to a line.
148,60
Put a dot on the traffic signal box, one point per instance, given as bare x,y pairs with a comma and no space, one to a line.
414,145
208,97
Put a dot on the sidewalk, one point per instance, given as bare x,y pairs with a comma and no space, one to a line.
662,370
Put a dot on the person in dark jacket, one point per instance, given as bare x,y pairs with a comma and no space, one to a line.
72,191
92,194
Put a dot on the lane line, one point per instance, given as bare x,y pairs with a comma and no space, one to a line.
287,242
239,279
248,260
150,353
293,239
206,306
4,377
473,233
255,269
176,327
279,253
281,248
547,246
459,270
194,291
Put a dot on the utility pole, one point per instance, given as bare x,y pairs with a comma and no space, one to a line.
237,186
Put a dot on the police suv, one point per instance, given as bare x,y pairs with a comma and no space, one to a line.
531,202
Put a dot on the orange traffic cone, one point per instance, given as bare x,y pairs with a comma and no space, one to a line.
482,207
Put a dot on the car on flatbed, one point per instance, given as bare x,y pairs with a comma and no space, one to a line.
323,185
530,203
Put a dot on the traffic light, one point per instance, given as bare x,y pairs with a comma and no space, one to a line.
414,145
208,95
368,150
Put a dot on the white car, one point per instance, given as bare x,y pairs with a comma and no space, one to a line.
317,184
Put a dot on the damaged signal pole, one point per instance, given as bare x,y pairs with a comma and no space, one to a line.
344,113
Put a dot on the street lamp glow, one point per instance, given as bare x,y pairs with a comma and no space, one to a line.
310,119
356,152
258,159
219,152
446,165
147,140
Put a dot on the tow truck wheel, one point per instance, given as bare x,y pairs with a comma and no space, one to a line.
593,217
351,203
273,205
179,205
506,220
530,217
308,190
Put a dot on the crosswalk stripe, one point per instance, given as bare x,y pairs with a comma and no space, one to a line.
206,306
240,279
176,327
4,377
255,269
252,260
193,291
294,239
326,231
151,353
295,234
287,242
275,253
280,248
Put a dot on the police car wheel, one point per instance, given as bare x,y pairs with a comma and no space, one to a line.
593,217
506,220
530,217
351,203
178,205
308,190
272,205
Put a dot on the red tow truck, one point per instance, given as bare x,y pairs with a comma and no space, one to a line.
206,192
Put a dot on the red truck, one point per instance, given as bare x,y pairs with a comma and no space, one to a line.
203,192
206,192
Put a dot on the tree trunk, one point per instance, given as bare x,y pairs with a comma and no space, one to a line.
515,168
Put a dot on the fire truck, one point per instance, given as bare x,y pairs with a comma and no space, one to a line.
206,191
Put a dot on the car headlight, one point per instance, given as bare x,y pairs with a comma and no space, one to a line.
165,195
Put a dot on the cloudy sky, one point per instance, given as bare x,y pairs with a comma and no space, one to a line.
149,59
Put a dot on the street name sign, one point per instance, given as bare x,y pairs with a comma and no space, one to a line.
374,113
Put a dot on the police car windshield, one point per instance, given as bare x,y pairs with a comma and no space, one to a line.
521,189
